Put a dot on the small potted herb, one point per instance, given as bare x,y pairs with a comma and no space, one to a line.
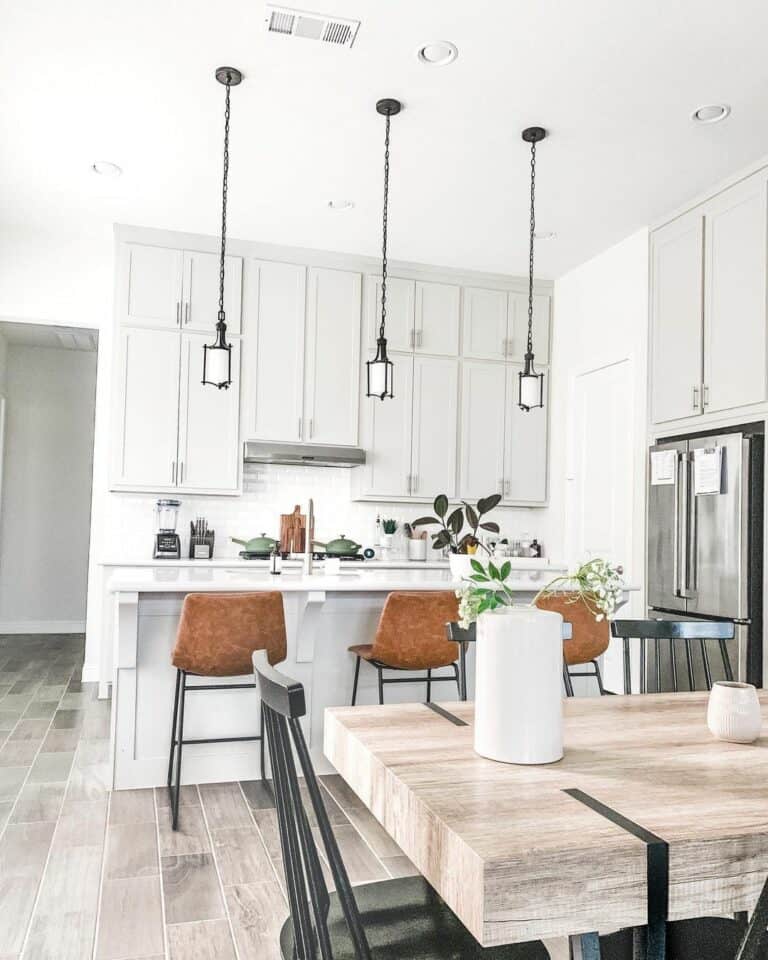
388,528
459,528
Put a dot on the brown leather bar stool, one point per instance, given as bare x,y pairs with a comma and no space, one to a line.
411,636
217,636
589,638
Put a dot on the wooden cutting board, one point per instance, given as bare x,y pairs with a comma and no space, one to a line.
293,531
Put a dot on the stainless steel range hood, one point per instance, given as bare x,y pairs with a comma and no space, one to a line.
308,454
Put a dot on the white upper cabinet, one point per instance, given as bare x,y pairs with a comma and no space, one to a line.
677,253
209,452
332,363
435,425
273,364
165,288
483,413
387,437
150,285
201,292
525,450
401,294
437,319
484,323
147,407
735,297
518,327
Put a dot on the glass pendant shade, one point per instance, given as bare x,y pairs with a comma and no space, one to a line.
217,358
531,386
380,373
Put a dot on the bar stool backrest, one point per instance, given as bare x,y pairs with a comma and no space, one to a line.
284,705
411,630
652,633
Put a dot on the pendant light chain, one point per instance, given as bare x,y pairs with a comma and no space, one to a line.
224,202
530,248
384,230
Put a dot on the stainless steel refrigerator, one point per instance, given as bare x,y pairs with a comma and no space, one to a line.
705,541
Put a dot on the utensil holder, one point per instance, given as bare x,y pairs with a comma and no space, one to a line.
417,549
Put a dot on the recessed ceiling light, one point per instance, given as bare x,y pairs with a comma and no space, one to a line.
545,235
341,204
711,113
106,169
438,53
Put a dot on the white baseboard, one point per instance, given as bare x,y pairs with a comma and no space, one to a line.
42,626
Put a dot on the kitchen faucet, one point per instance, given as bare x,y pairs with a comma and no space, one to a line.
310,534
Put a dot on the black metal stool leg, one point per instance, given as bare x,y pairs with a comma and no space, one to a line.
627,667
381,685
354,685
429,686
599,678
567,680
175,795
173,726
458,679
463,669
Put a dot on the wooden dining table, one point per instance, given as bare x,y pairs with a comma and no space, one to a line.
646,818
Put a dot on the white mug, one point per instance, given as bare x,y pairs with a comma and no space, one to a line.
733,712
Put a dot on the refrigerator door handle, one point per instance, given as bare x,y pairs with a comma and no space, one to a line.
676,586
688,558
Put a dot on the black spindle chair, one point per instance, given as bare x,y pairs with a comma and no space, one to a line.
389,920
652,633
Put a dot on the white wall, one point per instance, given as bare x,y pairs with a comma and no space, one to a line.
3,362
599,363
44,522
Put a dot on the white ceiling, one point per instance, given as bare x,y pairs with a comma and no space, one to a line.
615,83
40,335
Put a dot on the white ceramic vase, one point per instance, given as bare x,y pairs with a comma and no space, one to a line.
461,565
733,712
518,685
385,540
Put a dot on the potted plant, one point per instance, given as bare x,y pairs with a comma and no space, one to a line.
461,543
519,657
388,528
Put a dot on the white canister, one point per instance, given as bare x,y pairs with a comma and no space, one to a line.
733,712
518,685
417,549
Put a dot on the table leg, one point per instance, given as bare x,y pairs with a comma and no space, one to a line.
585,946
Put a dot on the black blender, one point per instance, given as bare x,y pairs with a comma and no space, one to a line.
167,541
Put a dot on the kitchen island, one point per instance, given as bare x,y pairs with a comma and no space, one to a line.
324,615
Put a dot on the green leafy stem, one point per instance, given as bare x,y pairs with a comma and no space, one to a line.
452,534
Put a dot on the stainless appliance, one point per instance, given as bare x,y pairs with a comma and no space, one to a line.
309,454
167,541
705,539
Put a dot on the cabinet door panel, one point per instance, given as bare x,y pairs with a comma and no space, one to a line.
150,284
735,296
676,318
147,408
483,402
525,453
400,312
435,421
209,453
333,356
518,326
485,323
387,435
274,362
201,292
437,318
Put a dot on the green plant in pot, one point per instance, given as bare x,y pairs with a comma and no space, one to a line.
459,528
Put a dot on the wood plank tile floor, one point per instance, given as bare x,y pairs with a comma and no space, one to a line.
86,874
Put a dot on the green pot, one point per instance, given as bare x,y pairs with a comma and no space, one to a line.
262,544
341,547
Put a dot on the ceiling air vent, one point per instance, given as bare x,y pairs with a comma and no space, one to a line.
311,26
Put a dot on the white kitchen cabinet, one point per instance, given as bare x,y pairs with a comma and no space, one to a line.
435,424
332,358
387,431
165,287
209,452
484,324
150,285
483,414
200,292
437,318
735,259
401,295
517,329
525,445
273,367
677,253
146,450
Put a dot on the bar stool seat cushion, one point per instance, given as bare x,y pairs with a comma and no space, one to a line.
218,633
411,631
590,638
406,918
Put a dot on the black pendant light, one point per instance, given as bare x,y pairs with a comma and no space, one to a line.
217,356
531,384
380,369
